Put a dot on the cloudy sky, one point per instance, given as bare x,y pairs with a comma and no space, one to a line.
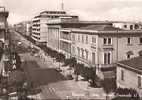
126,10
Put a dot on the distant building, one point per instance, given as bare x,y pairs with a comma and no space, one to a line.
24,28
129,74
126,25
39,27
28,28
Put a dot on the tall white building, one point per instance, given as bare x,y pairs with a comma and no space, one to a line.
39,27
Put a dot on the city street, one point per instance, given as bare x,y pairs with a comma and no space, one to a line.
61,50
43,75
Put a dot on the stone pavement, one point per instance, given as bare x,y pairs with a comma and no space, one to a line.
76,90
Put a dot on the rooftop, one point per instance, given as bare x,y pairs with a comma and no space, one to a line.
103,29
100,28
67,21
134,64
53,12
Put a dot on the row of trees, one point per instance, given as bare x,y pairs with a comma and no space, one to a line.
89,73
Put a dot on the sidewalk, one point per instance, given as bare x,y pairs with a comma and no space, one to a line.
70,89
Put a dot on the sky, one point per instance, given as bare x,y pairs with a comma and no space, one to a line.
113,10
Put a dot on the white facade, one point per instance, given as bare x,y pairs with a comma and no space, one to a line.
39,27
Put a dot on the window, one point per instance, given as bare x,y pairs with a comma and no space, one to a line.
139,81
128,40
86,39
131,27
128,56
73,49
93,40
78,37
82,53
93,58
140,40
125,26
78,51
107,58
82,39
107,41
86,54
122,75
73,37
140,53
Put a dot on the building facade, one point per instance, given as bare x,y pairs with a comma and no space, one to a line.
40,27
129,74
101,46
54,27
56,37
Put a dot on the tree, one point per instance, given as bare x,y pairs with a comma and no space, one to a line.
60,57
70,62
78,70
109,85
18,61
18,81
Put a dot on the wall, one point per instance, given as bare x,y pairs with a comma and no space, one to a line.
123,47
119,48
86,46
53,37
130,79
43,29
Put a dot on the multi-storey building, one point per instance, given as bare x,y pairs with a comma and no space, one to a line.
101,45
54,26
55,37
39,27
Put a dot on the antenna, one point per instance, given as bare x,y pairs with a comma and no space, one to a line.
62,5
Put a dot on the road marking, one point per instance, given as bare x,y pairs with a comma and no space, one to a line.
52,89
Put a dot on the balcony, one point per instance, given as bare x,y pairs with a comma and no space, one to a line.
109,46
65,40
93,45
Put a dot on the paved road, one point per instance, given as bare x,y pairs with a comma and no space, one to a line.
41,77
17,36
